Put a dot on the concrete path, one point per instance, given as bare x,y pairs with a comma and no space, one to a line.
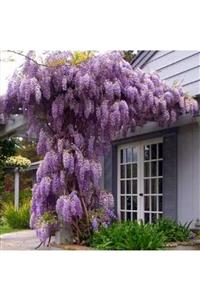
22,240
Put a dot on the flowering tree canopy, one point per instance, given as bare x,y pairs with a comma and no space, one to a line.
76,106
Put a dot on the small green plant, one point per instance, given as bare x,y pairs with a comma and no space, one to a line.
17,218
24,196
173,232
128,236
8,199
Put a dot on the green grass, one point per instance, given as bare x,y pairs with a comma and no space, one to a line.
7,229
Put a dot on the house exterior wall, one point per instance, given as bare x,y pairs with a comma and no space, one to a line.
184,205
181,66
181,171
169,168
188,177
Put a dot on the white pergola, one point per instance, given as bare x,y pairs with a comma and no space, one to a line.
33,166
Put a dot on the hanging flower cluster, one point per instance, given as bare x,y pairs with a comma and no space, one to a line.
76,106
18,161
46,226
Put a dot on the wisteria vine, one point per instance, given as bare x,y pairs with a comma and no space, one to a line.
76,109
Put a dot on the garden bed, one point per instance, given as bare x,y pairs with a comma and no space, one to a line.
191,245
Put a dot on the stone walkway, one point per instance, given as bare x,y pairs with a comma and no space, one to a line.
22,240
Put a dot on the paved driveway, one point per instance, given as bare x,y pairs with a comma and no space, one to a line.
21,240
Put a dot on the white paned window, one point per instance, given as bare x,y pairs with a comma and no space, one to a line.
140,181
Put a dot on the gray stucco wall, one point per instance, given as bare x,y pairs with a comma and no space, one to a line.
189,173
170,175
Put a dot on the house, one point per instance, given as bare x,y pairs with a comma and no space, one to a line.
156,171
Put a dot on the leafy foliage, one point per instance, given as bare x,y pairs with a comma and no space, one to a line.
128,55
8,200
17,218
173,232
7,148
76,104
28,149
5,228
24,196
139,236
128,236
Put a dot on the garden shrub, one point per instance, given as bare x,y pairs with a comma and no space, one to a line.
173,232
8,200
17,218
128,236
24,196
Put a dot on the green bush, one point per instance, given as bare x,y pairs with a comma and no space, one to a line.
17,218
24,196
8,200
173,232
128,236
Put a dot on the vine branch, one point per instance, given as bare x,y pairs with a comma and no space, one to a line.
32,59
26,56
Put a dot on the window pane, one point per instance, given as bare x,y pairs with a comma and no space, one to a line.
128,203
134,216
128,171
128,216
122,202
122,187
122,171
146,186
122,216
154,203
146,152
160,150
160,201
134,170
146,203
160,168
134,186
134,203
153,218
153,186
129,155
146,218
160,189
154,151
134,154
154,168
146,169
128,187
122,155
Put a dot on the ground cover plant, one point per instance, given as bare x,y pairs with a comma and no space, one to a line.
77,103
173,231
139,236
128,236
17,218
